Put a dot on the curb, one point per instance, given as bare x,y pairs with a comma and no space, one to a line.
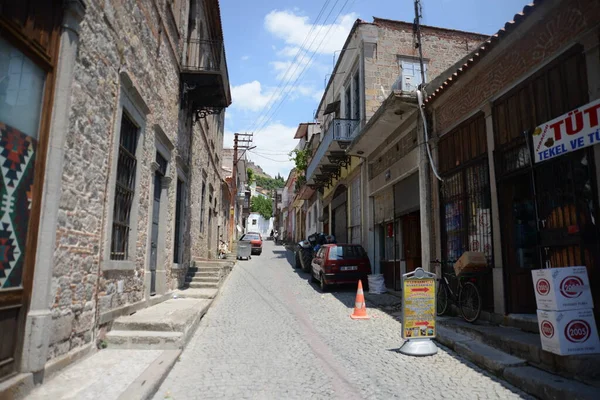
147,384
513,370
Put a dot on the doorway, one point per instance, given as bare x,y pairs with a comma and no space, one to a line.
411,240
519,242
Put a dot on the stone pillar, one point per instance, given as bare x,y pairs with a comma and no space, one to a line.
39,324
498,272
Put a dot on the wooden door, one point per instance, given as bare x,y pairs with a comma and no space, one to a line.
29,32
411,240
341,224
519,242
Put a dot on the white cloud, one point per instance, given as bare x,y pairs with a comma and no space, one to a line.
294,28
251,96
244,58
273,143
288,71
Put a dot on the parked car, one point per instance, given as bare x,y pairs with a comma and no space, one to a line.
255,242
336,264
256,233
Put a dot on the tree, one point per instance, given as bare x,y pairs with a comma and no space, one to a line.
262,206
269,183
251,175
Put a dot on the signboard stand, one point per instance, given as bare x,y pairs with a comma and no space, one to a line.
418,313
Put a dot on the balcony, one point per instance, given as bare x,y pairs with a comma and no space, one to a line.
204,76
331,155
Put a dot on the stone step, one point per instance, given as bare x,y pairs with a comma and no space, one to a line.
203,285
195,293
147,340
174,315
203,274
527,346
205,269
203,279
532,380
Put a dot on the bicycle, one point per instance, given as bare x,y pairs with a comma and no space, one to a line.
466,297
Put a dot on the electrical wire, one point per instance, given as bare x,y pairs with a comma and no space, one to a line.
305,67
302,49
268,158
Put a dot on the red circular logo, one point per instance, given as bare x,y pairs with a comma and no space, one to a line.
543,287
547,328
577,331
571,287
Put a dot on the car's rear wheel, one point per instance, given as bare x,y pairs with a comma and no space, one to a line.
324,286
312,277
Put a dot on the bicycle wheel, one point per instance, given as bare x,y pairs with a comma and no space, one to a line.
442,299
469,302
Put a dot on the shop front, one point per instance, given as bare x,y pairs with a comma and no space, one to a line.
546,173
465,198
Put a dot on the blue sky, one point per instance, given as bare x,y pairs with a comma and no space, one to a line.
262,39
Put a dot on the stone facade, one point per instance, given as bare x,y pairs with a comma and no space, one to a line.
395,40
128,63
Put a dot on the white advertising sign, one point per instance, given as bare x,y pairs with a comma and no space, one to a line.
568,332
570,132
562,288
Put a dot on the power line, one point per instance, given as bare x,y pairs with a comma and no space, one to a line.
304,69
268,158
297,65
300,50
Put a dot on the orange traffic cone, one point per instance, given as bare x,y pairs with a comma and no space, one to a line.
360,307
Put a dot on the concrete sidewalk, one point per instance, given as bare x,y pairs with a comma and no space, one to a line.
109,375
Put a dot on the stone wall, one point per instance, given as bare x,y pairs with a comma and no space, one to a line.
441,49
142,41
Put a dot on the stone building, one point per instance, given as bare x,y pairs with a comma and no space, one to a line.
368,116
112,121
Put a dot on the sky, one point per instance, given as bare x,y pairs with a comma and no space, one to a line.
279,53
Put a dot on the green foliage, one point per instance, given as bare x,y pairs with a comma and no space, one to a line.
251,175
300,159
261,205
270,183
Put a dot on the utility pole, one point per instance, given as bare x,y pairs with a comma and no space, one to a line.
238,144
424,181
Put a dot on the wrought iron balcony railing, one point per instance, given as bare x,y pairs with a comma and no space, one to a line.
339,130
204,69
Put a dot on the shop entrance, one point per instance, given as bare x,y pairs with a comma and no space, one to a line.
519,241
411,240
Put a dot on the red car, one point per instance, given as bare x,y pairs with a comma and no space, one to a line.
339,264
255,242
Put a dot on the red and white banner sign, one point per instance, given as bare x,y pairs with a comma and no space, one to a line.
570,132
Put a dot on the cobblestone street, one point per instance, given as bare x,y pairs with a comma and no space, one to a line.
272,335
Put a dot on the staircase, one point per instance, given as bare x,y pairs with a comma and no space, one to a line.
170,324
512,350
204,278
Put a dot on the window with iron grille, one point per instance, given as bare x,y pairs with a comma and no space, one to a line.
124,190
179,221
466,212
465,192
